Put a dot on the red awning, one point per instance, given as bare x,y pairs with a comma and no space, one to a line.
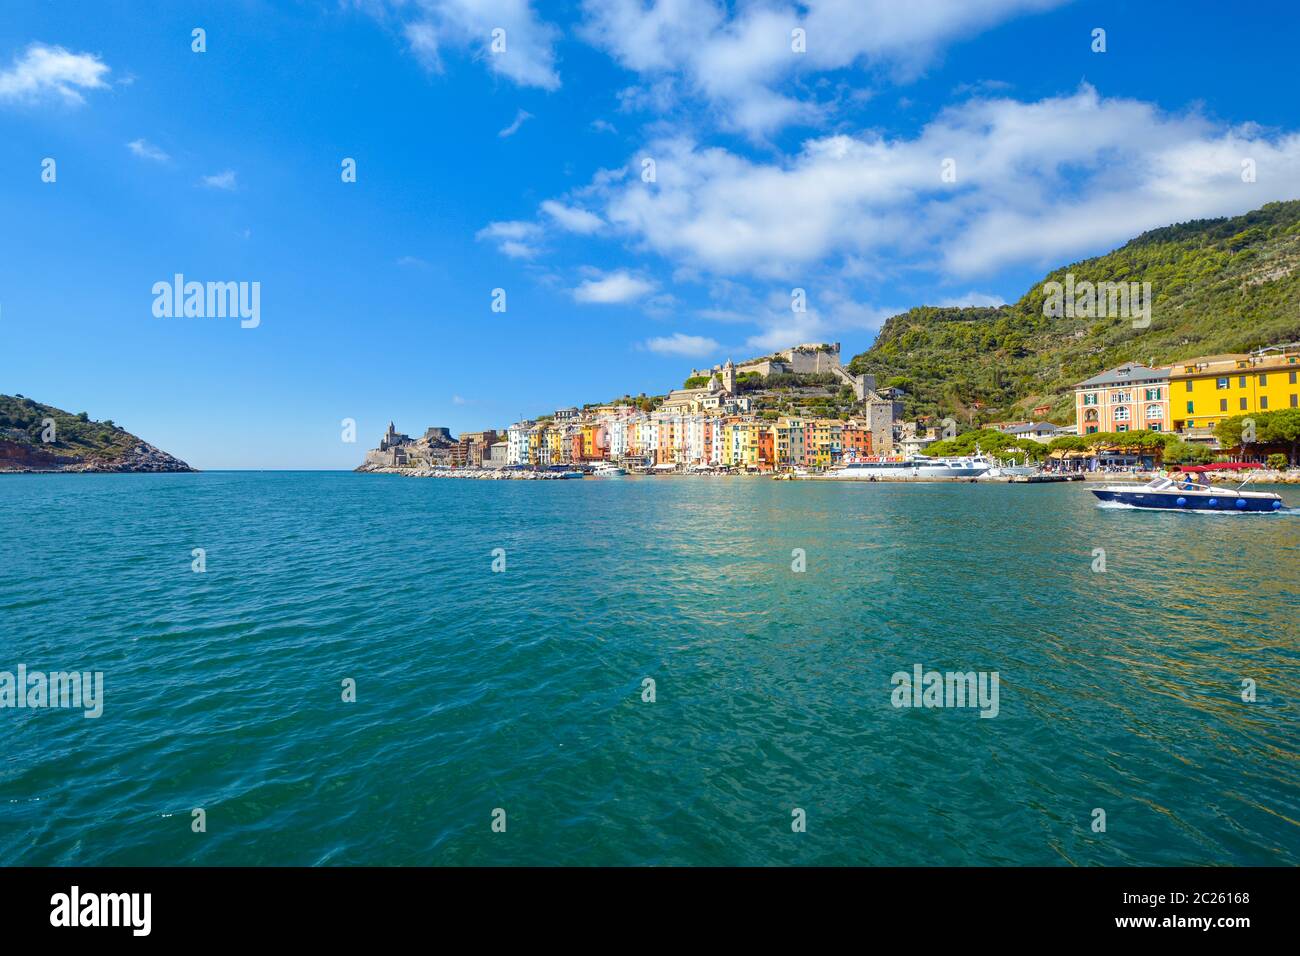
1219,466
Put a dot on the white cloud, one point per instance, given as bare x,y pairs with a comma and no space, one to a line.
679,344
521,117
572,218
514,238
972,298
226,179
44,71
423,41
616,287
413,262
146,150
603,126
1036,183
431,26
734,58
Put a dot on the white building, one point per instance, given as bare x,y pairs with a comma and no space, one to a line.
517,443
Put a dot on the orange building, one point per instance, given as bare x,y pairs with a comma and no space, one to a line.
766,447
855,441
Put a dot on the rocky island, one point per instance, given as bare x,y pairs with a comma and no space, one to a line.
42,438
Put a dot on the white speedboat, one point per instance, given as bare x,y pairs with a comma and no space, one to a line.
914,466
1183,494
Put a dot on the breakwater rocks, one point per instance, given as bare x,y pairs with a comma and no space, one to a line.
482,474
32,459
1261,476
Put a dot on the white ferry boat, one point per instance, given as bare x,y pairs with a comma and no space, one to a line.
914,466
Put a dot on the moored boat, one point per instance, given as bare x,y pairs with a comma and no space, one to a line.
1165,493
914,466
1009,469
608,470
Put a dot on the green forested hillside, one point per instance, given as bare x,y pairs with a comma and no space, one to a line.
1218,285
38,437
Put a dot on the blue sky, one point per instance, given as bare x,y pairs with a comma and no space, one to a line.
523,170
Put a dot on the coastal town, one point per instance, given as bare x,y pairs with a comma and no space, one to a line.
801,412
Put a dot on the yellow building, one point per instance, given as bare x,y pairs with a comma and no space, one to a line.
748,451
791,441
731,453
1205,391
555,445
823,442
536,444
589,449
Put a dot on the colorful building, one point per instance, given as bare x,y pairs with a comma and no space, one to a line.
1127,398
1205,391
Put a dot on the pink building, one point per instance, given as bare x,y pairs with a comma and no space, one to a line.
1126,398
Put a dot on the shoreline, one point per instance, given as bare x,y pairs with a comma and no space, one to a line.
489,474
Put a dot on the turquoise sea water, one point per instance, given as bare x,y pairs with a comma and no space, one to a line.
522,690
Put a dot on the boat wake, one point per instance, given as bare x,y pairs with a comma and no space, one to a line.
1220,512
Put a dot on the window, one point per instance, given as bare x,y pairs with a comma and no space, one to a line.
1263,379
1154,426
1189,382
1221,383
1294,398
1121,428
1263,402
1090,429
1241,381
1191,406
1292,377
1153,394
1243,404
1121,414
1090,399
1223,404
1119,397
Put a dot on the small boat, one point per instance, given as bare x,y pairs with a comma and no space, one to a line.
609,470
1183,494
1009,469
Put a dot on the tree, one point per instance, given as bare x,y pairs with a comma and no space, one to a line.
1279,427
1282,427
1188,453
1277,461
1068,443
